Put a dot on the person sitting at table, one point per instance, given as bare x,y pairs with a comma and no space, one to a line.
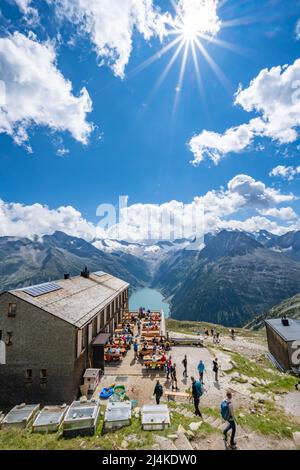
118,350
110,350
164,358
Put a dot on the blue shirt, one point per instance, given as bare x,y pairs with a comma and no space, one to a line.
201,367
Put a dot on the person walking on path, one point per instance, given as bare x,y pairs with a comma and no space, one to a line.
184,363
216,369
135,349
201,370
174,378
169,366
197,392
227,413
158,392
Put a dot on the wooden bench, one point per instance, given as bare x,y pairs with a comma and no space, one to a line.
150,364
174,395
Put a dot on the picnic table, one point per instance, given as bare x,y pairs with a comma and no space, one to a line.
109,357
173,395
150,333
150,362
122,350
120,342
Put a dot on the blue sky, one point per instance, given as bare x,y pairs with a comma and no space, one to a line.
140,144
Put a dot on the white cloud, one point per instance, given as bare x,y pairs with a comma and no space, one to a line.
252,200
110,25
284,213
215,145
37,93
256,223
275,95
285,172
26,221
197,16
31,14
297,30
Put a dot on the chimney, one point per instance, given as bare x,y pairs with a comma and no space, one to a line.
67,276
85,273
285,321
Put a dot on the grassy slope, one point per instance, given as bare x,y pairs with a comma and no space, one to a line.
290,307
190,327
26,440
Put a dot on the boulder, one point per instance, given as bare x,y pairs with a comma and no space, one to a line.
182,442
195,426
165,443
296,437
172,437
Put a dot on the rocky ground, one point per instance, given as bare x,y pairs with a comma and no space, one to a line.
266,403
267,406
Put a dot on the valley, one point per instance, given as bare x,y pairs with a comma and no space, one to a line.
235,277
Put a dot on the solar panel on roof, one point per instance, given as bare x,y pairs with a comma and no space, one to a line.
36,291
100,273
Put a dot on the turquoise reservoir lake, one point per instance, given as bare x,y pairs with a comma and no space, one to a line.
149,298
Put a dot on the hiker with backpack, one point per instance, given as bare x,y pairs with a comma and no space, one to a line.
228,415
135,349
201,370
197,392
158,392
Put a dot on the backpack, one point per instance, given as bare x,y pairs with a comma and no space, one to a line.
225,410
199,388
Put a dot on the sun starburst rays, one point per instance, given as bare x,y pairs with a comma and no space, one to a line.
190,35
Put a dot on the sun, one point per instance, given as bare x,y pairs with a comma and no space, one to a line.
194,26
189,30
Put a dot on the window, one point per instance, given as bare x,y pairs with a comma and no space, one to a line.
8,339
83,338
102,319
12,310
79,343
43,376
94,327
90,333
28,375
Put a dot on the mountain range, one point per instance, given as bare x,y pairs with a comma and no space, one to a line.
235,277
24,261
